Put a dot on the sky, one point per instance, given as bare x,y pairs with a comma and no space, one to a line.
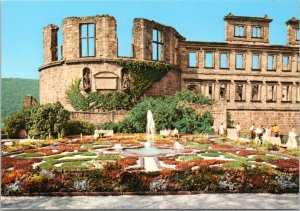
22,23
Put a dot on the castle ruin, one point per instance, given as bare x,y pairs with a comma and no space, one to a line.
257,82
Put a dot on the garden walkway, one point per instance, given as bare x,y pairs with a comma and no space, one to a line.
198,201
150,164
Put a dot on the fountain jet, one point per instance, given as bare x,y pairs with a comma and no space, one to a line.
150,129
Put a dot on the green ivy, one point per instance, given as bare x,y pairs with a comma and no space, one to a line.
76,98
143,75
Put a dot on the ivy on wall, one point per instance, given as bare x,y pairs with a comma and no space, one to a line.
142,74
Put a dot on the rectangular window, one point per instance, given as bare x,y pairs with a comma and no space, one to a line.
209,60
286,93
255,62
298,93
193,59
207,89
255,92
239,61
298,64
156,45
286,63
256,32
271,93
271,63
224,91
239,31
297,34
224,61
87,40
240,92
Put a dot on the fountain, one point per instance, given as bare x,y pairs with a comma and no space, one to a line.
148,149
150,130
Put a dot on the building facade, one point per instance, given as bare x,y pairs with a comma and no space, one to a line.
257,82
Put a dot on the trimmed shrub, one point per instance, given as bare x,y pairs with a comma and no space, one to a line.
77,127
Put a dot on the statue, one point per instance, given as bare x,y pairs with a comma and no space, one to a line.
86,81
125,83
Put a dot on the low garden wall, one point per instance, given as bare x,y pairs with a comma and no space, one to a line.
99,117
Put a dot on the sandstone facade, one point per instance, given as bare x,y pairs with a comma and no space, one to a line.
258,81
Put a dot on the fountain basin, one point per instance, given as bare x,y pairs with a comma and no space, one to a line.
149,151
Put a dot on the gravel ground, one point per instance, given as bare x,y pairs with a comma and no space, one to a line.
198,201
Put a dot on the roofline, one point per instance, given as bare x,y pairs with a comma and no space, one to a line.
230,16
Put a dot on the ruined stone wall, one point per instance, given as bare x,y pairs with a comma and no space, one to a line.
142,40
50,43
105,36
98,118
285,119
292,27
168,85
218,110
29,101
55,80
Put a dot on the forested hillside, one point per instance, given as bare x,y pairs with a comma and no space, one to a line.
13,92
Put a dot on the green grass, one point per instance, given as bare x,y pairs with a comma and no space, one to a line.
29,155
237,164
97,144
264,157
212,153
190,157
69,163
108,157
196,145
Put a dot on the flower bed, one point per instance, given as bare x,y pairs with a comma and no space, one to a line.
8,162
68,147
287,165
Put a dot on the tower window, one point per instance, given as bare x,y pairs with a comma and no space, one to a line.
156,45
87,40
298,34
256,32
239,31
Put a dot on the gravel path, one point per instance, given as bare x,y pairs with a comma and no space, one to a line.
198,201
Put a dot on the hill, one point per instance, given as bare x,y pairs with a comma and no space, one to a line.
13,92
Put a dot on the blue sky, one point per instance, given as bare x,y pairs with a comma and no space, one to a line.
22,23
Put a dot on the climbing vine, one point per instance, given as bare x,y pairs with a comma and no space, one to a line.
76,98
142,74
